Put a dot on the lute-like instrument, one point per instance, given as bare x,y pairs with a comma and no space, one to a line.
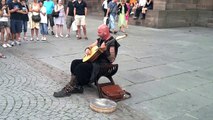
96,51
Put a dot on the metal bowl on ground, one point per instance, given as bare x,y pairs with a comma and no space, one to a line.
103,105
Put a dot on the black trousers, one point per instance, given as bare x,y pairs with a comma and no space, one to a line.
105,12
138,11
50,19
82,71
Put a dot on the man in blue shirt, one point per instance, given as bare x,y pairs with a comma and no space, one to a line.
49,5
112,12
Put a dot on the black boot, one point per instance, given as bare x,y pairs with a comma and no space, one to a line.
70,88
143,16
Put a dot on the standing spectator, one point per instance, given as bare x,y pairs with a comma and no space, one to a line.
25,18
148,6
104,7
4,25
34,25
43,22
122,10
69,16
127,13
49,5
15,9
9,1
59,21
139,8
80,12
112,12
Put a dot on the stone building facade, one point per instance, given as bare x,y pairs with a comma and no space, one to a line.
172,13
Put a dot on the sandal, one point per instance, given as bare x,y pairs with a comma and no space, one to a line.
2,56
86,38
79,38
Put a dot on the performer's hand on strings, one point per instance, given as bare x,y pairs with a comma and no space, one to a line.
88,52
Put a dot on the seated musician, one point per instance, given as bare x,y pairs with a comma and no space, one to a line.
83,73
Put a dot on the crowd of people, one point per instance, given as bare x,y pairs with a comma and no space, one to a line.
121,10
39,15
17,16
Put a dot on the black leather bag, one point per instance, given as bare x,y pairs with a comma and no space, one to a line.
55,14
36,18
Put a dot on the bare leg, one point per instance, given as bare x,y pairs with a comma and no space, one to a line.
2,36
84,30
79,31
32,34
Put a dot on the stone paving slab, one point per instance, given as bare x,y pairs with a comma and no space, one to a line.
26,93
166,70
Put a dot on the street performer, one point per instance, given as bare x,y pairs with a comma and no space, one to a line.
83,73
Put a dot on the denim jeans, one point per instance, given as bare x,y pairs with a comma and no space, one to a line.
15,26
43,28
112,21
24,26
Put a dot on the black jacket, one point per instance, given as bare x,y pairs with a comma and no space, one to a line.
120,8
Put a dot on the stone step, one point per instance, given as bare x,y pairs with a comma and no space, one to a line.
210,20
210,25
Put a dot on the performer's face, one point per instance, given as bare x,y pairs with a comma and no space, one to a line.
101,33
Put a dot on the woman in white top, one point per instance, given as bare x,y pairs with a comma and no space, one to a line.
43,22
4,25
59,21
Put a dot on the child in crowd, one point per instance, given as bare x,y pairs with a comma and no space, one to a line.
43,22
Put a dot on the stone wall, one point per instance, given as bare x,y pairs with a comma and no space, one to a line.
171,13
177,13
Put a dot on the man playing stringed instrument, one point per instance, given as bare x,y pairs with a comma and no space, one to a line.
83,73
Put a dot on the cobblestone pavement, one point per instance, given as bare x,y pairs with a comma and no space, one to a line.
26,92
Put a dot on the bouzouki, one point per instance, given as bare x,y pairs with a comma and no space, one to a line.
96,51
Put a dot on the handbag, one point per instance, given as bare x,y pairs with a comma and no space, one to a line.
55,14
36,18
74,26
114,92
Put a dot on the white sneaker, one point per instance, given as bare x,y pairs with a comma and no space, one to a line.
45,38
4,46
8,45
25,38
18,42
67,35
31,39
42,38
13,43
56,35
61,35
37,39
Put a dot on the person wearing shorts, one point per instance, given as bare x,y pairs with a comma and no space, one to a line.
15,9
4,25
59,21
69,16
80,11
